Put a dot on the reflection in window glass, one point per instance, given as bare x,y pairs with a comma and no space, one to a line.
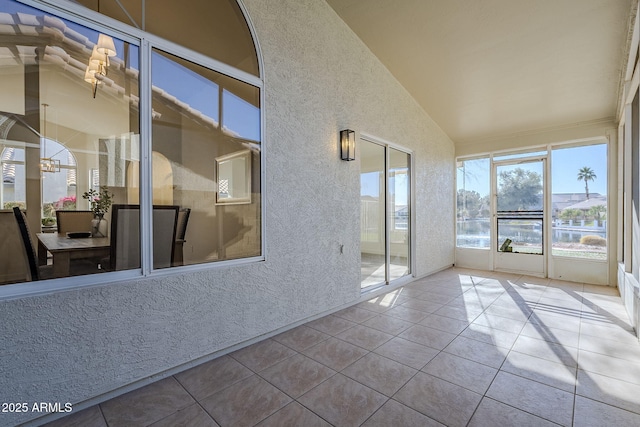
473,203
78,119
209,170
579,201
222,32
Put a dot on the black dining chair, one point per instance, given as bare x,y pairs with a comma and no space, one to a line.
35,272
14,267
125,236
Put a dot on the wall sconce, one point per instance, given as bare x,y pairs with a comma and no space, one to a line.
347,145
99,61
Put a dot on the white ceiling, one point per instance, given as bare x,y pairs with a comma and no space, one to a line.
487,68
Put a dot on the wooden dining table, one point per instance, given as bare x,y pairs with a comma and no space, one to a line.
63,249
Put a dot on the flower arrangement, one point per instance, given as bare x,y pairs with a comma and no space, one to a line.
100,200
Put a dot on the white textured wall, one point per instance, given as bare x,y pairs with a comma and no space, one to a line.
319,78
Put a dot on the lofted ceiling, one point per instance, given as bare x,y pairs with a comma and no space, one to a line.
488,68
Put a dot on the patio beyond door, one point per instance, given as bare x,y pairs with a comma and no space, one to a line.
519,216
385,213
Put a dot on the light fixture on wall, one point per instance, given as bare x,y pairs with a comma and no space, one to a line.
347,145
99,61
47,164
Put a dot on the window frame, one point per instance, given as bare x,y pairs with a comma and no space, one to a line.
76,13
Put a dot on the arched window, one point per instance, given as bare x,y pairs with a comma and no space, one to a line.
213,28
180,82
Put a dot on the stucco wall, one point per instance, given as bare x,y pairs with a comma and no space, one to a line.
319,78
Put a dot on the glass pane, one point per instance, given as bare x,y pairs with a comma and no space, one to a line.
211,172
473,204
520,187
372,214
63,119
215,28
579,199
520,204
399,221
520,235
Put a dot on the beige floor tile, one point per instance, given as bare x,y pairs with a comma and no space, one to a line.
610,332
443,401
297,375
609,390
355,314
335,353
567,322
434,298
192,415
407,314
494,413
446,324
343,401
555,335
600,290
211,377
621,350
460,313
515,313
407,352
394,413
490,335
384,302
547,350
388,324
422,305
463,372
301,337
331,325
538,399
477,351
589,413
262,355
609,366
428,336
365,337
552,374
293,415
90,417
245,403
146,405
501,323
379,373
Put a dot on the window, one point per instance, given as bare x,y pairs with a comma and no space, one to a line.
70,138
222,32
473,203
579,201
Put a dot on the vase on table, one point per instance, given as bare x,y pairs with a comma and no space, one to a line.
99,226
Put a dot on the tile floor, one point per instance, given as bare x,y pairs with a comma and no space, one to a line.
459,348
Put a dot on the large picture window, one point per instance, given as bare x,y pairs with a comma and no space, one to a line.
473,203
77,167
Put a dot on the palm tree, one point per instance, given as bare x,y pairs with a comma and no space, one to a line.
586,174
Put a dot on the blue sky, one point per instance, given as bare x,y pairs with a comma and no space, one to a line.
565,164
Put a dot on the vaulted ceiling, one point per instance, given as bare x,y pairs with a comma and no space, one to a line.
488,68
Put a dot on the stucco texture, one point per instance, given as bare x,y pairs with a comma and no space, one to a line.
319,78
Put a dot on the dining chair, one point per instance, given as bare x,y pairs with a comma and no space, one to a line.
70,221
29,252
125,236
181,231
13,263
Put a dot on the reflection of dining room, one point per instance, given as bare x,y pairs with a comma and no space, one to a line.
70,127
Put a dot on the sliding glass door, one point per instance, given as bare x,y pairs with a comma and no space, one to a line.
385,212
